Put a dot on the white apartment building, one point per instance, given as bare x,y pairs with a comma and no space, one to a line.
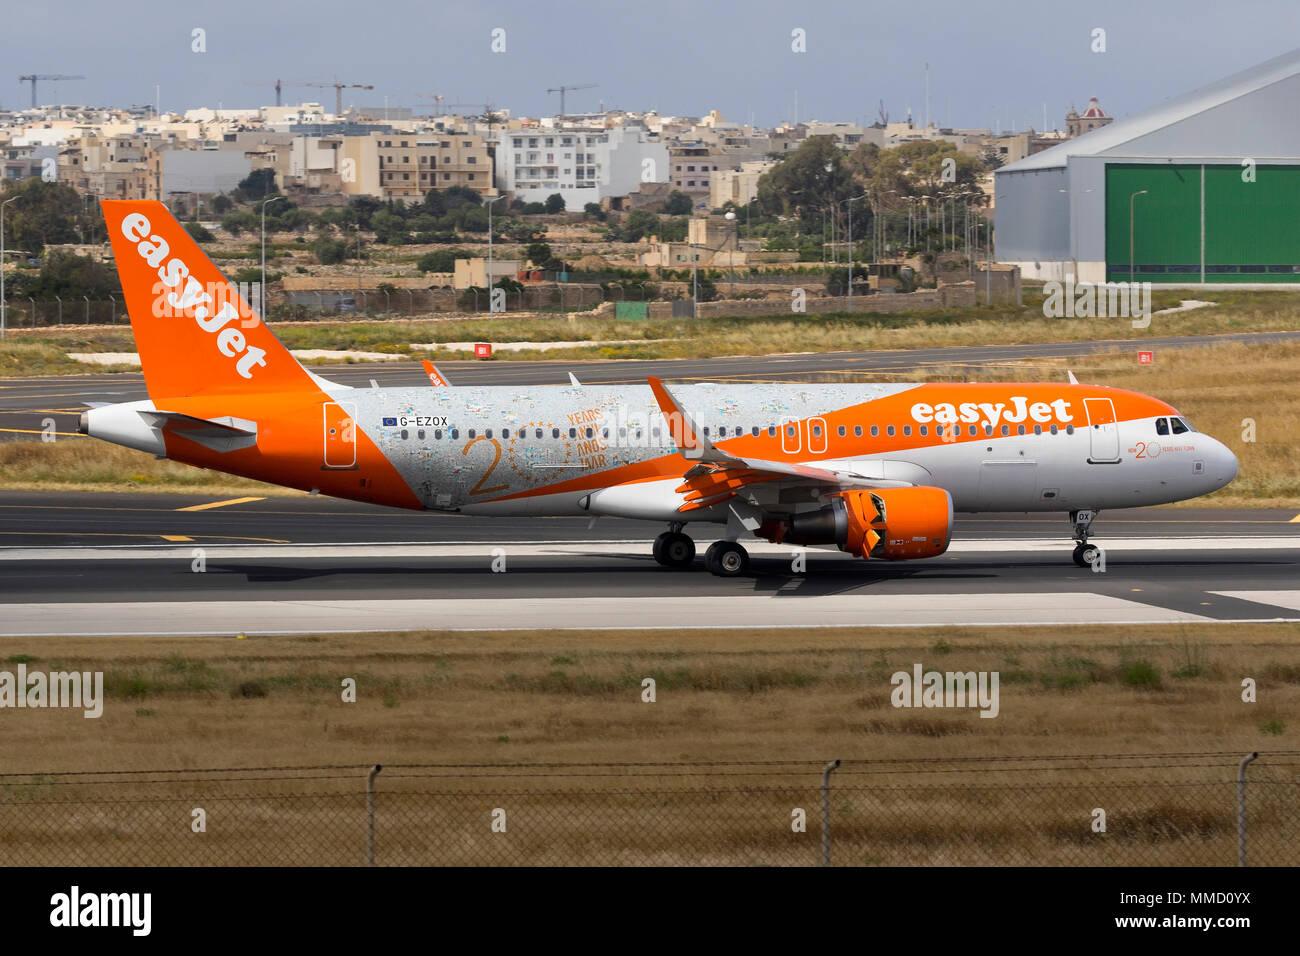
582,165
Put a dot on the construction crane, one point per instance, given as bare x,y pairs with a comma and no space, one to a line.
564,89
279,85
338,91
33,77
436,97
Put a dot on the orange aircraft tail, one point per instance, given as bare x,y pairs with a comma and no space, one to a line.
194,332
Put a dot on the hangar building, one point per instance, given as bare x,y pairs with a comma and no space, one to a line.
1204,188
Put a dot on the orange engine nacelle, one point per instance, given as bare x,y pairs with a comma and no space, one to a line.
896,524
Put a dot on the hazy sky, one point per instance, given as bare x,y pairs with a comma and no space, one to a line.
990,62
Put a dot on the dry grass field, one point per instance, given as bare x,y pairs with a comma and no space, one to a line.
767,707
729,695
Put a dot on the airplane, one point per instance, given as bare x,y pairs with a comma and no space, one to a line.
876,469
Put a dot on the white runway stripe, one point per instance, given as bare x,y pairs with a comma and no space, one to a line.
669,611
388,549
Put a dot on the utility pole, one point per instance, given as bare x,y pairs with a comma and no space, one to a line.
261,292
2,266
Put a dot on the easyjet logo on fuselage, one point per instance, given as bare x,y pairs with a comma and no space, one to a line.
991,414
172,272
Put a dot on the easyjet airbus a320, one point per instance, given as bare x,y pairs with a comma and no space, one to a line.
876,469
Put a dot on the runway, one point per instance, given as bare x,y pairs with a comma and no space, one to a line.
27,403
126,564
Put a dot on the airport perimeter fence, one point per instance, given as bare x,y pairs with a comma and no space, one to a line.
23,312
1108,810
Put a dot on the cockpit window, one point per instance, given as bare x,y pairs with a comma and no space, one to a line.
1180,426
1162,426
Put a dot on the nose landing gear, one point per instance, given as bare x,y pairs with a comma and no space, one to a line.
1085,554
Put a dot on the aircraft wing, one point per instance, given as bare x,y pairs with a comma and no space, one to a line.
717,476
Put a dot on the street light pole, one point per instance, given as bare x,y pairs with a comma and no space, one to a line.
849,203
489,202
2,266
1132,277
261,290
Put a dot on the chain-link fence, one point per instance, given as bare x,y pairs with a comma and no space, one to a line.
1176,810
24,312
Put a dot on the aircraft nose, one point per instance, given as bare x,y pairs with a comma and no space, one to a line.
1222,463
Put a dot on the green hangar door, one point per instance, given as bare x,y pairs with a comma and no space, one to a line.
1194,223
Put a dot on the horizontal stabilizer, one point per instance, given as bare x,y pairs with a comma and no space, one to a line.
218,434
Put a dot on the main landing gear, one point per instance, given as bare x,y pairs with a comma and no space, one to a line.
726,559
1085,554
673,549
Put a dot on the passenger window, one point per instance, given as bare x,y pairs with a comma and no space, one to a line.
538,433
420,434
857,431
487,433
591,432
890,431
604,433
1038,429
722,432
755,431
973,430
1020,429
706,430
505,433
875,430
842,431
1162,426
437,434
404,433
622,433
1053,429
1069,429
907,430
817,430
988,429
771,430
573,433
471,433
1178,425
455,433
1006,429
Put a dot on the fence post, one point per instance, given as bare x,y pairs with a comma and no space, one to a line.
1241,807
33,302
410,303
59,299
826,811
113,309
87,298
370,813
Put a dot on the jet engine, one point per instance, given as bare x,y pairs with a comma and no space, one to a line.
896,524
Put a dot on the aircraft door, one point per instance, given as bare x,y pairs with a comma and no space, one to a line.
340,434
1103,431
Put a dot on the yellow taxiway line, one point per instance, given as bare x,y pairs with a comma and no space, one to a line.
220,504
